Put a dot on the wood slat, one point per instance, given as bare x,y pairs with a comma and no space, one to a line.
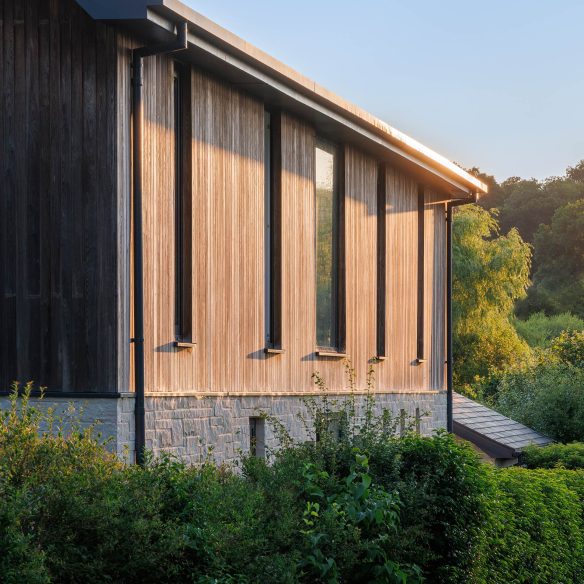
58,189
65,251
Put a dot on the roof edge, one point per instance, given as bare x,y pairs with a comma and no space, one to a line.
314,90
175,10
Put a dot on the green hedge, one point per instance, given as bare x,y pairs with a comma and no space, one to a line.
534,531
568,456
369,507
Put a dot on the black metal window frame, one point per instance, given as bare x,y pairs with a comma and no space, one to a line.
273,230
337,346
182,204
421,305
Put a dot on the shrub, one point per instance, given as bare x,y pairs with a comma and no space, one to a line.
569,348
548,397
441,483
568,456
539,330
358,505
444,488
535,531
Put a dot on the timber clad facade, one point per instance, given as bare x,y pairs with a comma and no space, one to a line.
230,234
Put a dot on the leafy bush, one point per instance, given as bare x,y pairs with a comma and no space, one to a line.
551,400
441,483
491,272
568,456
535,531
548,398
71,512
358,505
539,330
569,348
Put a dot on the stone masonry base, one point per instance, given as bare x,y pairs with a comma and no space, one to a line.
197,428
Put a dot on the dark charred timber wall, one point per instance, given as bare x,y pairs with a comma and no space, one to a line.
58,207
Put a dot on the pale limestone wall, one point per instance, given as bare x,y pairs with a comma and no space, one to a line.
196,428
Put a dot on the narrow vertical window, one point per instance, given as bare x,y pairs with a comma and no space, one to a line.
329,261
273,230
182,204
257,437
421,272
381,259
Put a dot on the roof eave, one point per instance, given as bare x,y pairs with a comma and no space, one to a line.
486,444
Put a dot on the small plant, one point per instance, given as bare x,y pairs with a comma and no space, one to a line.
329,421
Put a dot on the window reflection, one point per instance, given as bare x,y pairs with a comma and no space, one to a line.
326,244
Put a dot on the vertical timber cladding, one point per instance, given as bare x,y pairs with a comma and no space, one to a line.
361,259
400,370
228,260
58,261
227,237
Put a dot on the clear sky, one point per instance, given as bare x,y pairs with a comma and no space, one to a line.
497,84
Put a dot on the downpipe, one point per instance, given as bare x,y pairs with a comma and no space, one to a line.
138,55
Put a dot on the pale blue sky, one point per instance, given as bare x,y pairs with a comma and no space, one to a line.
496,83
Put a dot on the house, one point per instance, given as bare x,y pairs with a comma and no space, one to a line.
499,440
191,228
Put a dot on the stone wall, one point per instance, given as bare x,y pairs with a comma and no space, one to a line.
198,428
195,429
67,411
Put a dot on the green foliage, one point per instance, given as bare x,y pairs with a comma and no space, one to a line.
568,348
548,397
440,483
568,456
546,394
558,282
539,330
535,531
359,505
20,558
443,488
576,172
355,515
496,196
491,271
531,203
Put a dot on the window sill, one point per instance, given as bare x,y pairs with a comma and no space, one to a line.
184,345
330,354
273,351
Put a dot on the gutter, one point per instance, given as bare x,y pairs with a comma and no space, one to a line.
449,357
138,55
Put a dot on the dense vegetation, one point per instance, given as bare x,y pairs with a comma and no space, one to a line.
360,506
549,215
518,299
569,456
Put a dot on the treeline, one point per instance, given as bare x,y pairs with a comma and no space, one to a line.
549,215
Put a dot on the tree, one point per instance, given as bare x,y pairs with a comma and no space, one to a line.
559,251
531,203
491,271
576,173
496,196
